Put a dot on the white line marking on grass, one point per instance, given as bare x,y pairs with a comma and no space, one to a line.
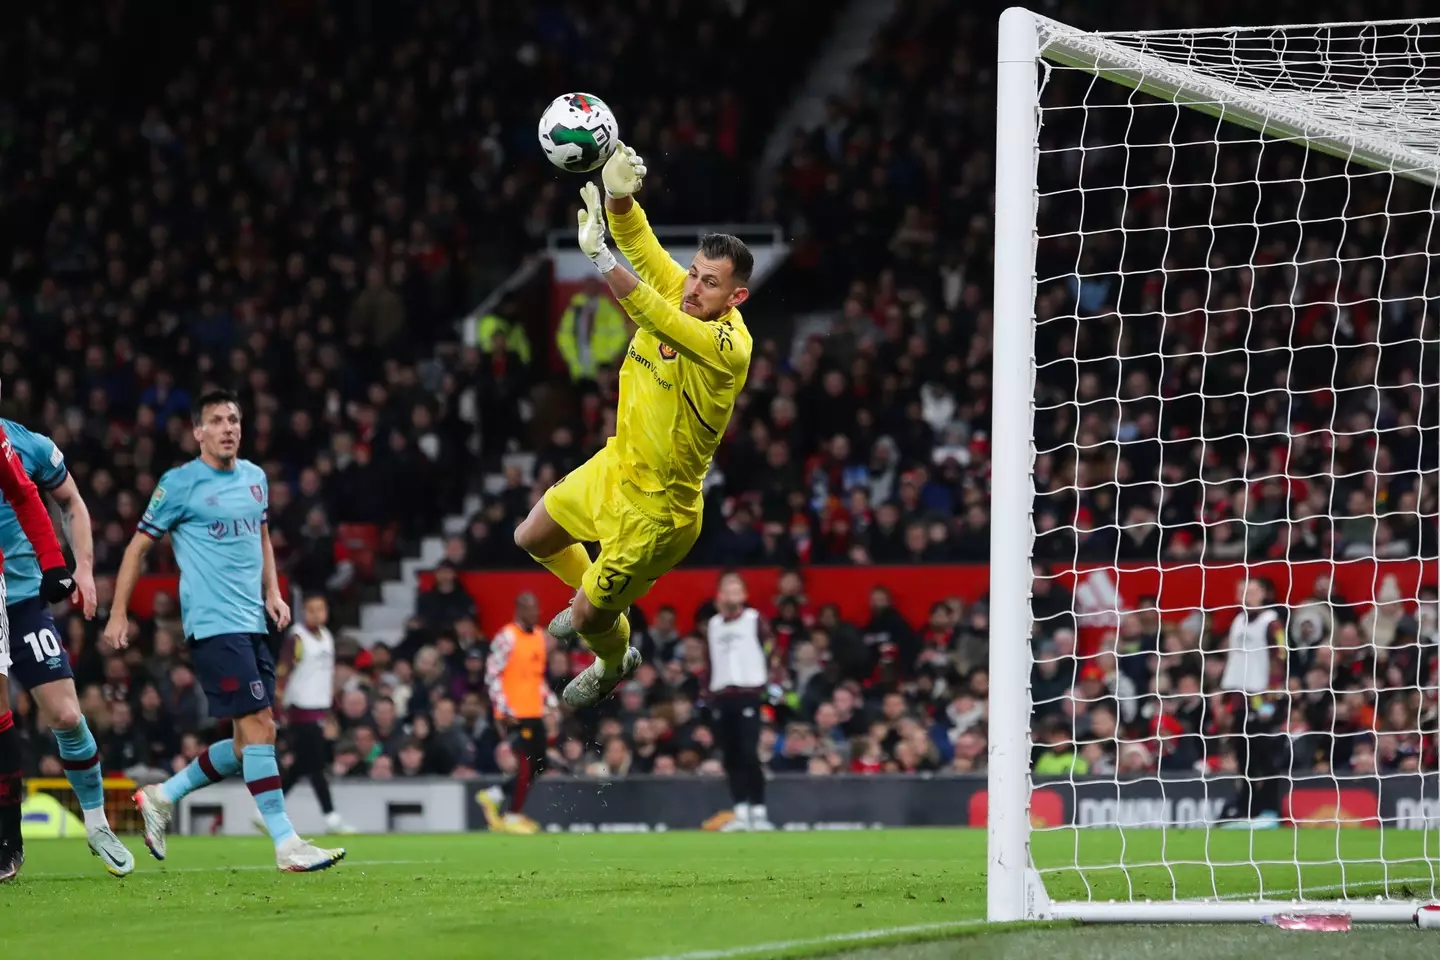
1325,888
834,938
162,870
866,935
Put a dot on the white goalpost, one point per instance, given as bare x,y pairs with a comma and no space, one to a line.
1214,516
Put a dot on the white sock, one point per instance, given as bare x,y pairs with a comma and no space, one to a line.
496,794
95,818
332,819
742,812
757,813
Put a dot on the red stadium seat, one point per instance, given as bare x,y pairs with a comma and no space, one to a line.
358,543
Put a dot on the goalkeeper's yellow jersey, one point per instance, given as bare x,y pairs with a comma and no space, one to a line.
679,380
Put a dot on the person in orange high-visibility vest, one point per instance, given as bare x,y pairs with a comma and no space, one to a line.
519,699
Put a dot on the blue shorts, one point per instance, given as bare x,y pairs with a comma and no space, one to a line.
37,654
236,671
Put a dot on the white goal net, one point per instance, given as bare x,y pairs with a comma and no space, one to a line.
1217,433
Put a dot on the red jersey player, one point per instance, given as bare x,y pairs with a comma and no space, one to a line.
56,584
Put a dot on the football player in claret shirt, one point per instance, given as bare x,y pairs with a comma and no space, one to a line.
640,496
56,584
214,510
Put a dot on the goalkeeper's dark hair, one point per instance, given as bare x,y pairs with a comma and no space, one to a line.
722,246
208,399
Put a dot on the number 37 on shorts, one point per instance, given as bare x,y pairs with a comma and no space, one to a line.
635,549
634,552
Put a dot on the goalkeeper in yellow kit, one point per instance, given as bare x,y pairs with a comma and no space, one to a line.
639,497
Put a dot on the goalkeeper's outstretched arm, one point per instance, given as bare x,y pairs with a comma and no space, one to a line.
623,175
710,344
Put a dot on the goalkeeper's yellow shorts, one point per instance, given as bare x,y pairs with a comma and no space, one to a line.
638,542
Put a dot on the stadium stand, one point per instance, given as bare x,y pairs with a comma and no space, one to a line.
284,205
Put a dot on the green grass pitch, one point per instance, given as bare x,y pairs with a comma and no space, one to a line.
881,895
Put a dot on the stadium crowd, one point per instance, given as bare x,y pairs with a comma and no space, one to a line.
286,211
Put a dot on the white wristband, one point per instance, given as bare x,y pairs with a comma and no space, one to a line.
604,260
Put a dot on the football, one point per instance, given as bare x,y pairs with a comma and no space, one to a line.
578,132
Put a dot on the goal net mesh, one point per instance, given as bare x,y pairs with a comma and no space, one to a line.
1237,381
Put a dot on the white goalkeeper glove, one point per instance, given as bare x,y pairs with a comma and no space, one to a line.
624,172
591,235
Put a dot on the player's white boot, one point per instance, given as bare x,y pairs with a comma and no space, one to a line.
156,812
740,823
334,823
118,859
760,819
301,856
593,685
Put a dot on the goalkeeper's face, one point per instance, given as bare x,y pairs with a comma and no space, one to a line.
712,288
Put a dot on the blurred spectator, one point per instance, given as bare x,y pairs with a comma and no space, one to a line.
593,332
445,603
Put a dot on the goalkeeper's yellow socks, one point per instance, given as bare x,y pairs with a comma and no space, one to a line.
610,644
569,565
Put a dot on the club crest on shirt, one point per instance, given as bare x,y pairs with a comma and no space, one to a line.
667,352
257,492
257,689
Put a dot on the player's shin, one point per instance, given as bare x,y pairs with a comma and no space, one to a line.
212,766
569,565
81,759
262,776
518,789
610,643
12,784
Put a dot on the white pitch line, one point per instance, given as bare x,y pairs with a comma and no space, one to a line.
867,935
1325,888
162,870
834,938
